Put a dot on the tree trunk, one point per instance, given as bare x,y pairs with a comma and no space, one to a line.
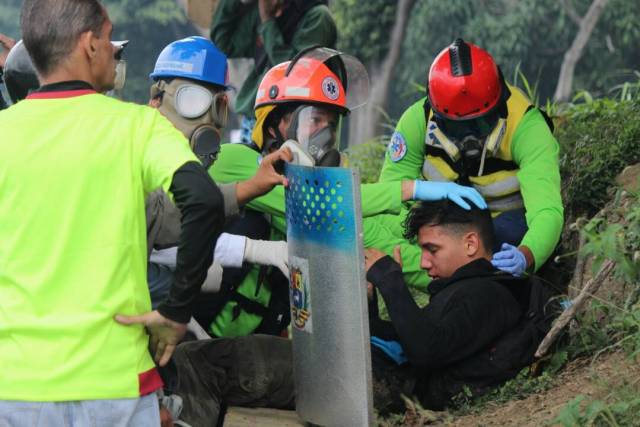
364,123
571,57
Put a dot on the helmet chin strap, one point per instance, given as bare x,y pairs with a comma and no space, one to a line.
273,143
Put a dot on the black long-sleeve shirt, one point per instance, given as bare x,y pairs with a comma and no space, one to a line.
466,313
202,207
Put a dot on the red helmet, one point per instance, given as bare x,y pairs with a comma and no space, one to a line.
464,82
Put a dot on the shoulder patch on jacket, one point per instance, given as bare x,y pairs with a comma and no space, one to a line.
397,147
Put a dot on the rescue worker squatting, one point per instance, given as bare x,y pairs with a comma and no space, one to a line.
475,129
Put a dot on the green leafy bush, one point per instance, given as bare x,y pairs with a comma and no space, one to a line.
368,158
598,139
622,410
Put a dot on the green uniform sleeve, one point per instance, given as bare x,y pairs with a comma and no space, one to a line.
165,150
237,162
408,136
381,197
535,150
384,232
316,28
234,28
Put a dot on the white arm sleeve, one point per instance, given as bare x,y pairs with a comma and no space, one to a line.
230,250
165,257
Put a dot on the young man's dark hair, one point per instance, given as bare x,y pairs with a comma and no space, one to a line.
449,215
50,28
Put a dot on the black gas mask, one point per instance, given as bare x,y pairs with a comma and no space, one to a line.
315,129
470,136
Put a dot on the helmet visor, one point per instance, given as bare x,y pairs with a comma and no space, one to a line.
316,130
351,72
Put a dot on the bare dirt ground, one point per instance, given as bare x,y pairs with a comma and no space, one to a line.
594,380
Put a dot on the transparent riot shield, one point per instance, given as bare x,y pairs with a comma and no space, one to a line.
331,353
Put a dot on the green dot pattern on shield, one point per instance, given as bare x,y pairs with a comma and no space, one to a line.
319,204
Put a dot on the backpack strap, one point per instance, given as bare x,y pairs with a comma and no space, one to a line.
248,305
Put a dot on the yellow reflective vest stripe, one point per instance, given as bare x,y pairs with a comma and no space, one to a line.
500,188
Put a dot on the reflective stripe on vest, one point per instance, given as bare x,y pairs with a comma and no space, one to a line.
501,189
436,169
498,184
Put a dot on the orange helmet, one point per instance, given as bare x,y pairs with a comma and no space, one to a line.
318,76
311,81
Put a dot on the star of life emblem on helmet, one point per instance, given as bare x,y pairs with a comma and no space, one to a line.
330,88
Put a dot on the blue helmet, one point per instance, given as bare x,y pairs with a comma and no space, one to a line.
195,58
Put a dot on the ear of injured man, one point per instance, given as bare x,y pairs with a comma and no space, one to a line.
436,351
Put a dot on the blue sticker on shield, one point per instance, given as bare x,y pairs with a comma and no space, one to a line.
397,147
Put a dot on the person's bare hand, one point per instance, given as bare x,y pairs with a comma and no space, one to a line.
6,43
371,256
397,256
166,420
266,177
165,333
270,9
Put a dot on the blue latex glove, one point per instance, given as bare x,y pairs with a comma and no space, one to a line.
510,259
393,349
431,190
